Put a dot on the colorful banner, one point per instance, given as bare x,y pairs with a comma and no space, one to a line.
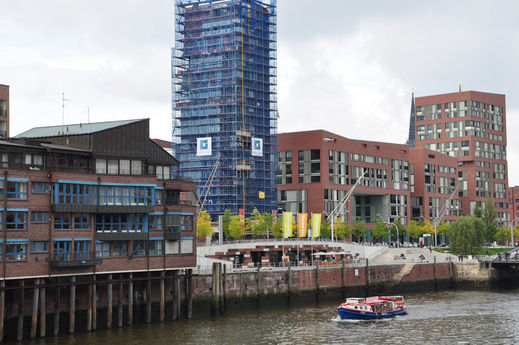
257,147
275,217
203,146
261,195
302,224
316,224
287,224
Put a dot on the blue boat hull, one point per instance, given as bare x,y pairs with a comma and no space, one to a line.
348,314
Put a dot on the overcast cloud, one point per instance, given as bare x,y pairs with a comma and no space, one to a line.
344,66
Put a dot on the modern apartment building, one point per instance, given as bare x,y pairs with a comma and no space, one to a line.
4,111
225,107
471,127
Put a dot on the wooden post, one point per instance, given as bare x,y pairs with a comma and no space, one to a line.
2,309
110,300
162,296
343,278
175,296
21,303
57,301
215,288
189,293
89,308
34,318
130,300
72,319
224,286
94,305
289,283
258,285
148,300
317,286
43,309
435,274
120,304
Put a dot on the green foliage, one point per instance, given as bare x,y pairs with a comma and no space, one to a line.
428,227
226,219
414,229
359,229
236,230
502,234
488,214
277,229
400,226
443,228
326,229
257,225
266,219
467,234
203,225
342,230
379,230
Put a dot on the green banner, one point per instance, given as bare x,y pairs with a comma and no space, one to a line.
316,224
287,224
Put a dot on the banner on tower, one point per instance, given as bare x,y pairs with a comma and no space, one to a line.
287,224
257,147
316,224
203,146
302,224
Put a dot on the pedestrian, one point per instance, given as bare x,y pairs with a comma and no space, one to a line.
430,249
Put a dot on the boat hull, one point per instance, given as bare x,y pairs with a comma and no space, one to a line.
349,314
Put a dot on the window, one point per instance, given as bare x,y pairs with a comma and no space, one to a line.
186,223
172,247
159,193
81,221
39,187
155,246
62,249
82,248
16,190
102,249
124,166
16,250
39,217
62,221
139,248
113,167
100,166
39,246
155,222
119,223
136,167
16,220
120,249
186,246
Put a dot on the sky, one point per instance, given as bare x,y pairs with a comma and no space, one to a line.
344,66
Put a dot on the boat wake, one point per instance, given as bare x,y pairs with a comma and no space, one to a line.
348,321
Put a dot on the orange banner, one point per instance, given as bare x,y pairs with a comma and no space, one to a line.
302,223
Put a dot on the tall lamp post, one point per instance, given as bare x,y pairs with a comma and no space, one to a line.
388,224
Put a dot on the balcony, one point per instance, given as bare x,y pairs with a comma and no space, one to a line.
61,260
71,208
172,236
120,236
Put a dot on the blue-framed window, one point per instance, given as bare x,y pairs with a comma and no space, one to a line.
120,249
62,249
16,220
62,221
119,223
139,248
179,222
82,248
39,187
82,221
102,249
39,246
16,250
172,197
155,222
39,217
186,245
103,194
186,223
17,190
159,196
155,246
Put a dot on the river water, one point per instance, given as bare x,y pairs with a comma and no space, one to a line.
447,317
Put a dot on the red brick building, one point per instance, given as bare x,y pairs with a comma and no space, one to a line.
513,195
471,127
4,111
91,199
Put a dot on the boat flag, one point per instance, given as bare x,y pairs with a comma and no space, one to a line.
287,224
316,224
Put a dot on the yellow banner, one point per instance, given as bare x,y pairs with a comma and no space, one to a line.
302,224
316,224
287,224
261,195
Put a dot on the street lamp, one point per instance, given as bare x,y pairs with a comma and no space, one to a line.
388,224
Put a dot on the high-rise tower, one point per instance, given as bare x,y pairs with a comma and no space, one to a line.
225,102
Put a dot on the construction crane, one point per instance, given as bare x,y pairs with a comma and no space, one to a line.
207,187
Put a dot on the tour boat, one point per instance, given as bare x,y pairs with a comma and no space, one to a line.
370,308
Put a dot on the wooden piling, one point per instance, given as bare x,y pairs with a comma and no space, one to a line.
57,301
162,296
189,292
258,284
317,286
130,300
43,309
176,296
148,300
89,308
94,305
343,278
215,303
435,274
2,309
72,318
109,306
21,303
120,304
35,301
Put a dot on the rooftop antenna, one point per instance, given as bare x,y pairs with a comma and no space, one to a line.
460,80
63,100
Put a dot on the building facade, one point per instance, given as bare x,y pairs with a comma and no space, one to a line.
471,127
225,107
91,199
4,111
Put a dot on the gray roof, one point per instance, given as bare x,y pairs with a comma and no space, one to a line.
77,129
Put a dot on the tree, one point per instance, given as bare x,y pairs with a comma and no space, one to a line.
203,225
257,225
359,229
226,219
397,225
443,228
379,230
342,230
326,229
502,234
267,218
489,217
236,230
414,230
428,227
467,234
277,229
